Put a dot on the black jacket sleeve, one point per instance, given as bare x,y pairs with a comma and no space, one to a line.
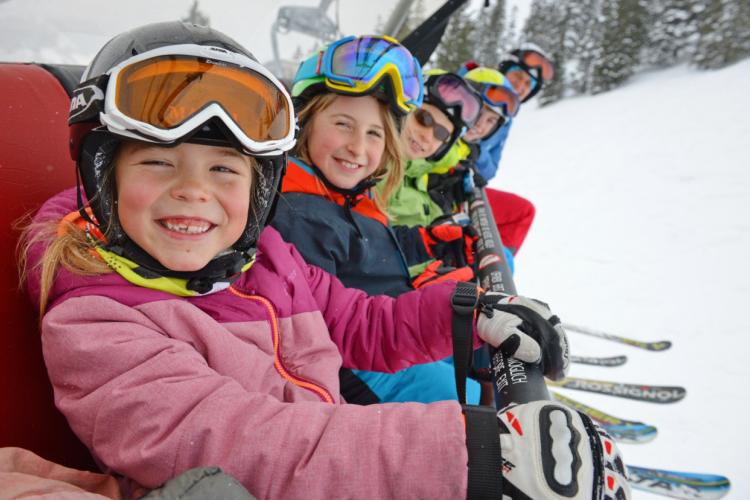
410,241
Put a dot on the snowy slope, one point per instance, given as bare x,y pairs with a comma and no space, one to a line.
643,229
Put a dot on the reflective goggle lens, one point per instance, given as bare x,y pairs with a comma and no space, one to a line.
167,91
426,119
500,96
365,59
534,59
453,92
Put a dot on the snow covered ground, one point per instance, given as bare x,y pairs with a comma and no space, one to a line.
643,229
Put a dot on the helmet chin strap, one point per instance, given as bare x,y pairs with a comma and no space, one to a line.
224,268
221,270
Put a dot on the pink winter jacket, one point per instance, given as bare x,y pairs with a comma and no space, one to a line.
247,379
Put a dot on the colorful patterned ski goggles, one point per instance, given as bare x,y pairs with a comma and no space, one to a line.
497,96
451,91
358,65
165,94
535,60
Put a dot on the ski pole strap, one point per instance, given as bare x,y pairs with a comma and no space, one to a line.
485,460
464,301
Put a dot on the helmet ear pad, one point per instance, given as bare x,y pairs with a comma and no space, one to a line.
96,162
263,198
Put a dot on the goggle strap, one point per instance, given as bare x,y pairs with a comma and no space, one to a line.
79,199
88,100
319,62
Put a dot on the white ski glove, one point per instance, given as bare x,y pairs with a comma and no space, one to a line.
553,452
525,329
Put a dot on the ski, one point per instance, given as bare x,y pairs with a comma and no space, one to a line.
621,430
649,393
650,346
599,361
675,484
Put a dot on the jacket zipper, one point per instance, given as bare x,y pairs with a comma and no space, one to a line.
322,393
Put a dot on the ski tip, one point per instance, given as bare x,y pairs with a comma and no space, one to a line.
631,433
677,484
659,346
609,362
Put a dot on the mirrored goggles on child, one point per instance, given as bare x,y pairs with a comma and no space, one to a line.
501,97
358,65
165,94
426,119
452,91
534,59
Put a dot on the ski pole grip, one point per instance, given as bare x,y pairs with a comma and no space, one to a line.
513,381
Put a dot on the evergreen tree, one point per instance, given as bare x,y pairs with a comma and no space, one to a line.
724,34
547,26
195,16
457,44
509,38
673,31
582,43
624,37
491,21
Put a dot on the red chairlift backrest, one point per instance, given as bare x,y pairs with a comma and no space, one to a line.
34,165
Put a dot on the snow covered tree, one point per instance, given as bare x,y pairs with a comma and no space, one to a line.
491,23
673,31
509,37
724,34
457,44
196,16
547,26
582,43
624,36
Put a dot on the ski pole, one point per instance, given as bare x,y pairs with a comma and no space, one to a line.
513,381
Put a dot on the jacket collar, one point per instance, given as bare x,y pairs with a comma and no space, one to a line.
302,178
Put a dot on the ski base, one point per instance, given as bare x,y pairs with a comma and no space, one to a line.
662,394
621,430
662,345
599,361
675,484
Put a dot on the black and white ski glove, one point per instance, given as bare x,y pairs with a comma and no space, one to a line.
553,452
524,329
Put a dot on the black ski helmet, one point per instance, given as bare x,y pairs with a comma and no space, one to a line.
452,111
93,146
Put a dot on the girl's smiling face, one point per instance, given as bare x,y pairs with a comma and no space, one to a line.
183,205
347,140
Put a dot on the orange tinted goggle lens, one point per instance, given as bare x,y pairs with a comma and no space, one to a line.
166,92
537,60
500,95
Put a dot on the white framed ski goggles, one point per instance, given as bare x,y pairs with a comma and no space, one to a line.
164,94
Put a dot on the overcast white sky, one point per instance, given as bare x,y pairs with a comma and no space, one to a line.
72,31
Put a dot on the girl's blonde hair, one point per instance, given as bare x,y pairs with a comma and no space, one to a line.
66,244
389,173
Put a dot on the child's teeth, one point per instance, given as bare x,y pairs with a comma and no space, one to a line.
194,228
